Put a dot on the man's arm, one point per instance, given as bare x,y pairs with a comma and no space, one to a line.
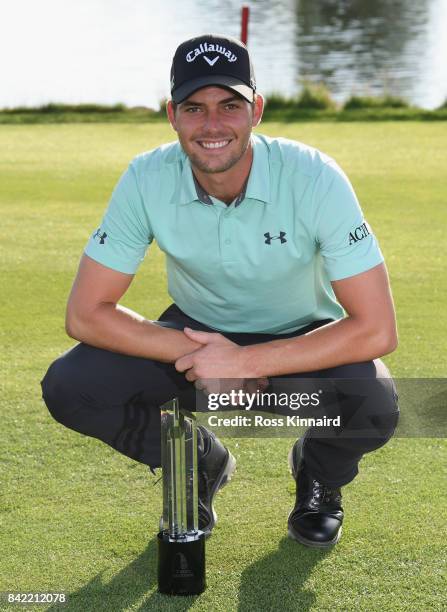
369,331
94,316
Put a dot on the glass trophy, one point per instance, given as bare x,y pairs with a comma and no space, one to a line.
181,545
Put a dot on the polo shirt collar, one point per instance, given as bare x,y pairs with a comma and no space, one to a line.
256,188
186,192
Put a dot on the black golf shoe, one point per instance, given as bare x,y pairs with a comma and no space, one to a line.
316,520
216,466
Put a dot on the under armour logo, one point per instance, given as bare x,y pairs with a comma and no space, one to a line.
101,237
268,238
211,62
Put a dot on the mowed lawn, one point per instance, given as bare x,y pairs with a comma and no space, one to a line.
77,517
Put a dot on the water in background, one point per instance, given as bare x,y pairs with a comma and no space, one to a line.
120,51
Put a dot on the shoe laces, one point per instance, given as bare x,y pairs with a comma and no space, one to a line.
320,493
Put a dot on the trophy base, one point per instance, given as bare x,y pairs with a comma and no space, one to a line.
181,564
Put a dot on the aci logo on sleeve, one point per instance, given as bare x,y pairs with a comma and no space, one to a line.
359,233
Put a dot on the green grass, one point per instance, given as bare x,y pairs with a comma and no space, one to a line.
78,517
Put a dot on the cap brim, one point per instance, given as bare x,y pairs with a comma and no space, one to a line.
185,90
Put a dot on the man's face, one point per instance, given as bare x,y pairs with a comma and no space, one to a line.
214,127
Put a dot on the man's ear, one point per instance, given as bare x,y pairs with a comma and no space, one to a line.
258,109
171,114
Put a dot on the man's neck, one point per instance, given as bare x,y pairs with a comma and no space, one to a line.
226,186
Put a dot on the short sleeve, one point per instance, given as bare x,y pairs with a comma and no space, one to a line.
346,241
125,234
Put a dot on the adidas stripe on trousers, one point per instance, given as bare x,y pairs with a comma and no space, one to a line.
116,398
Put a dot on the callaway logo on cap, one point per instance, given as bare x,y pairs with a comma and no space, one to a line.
212,60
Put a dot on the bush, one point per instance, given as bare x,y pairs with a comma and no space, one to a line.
386,101
315,96
82,108
277,101
68,108
312,96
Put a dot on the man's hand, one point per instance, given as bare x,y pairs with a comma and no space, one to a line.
218,366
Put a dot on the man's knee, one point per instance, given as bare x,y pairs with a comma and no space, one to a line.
385,426
366,400
58,392
374,415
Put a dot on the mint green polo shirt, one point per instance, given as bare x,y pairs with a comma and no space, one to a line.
262,264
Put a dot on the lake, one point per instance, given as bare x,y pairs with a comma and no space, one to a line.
118,51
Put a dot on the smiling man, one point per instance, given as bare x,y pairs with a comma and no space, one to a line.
274,274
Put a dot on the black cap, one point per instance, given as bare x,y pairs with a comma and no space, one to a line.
212,60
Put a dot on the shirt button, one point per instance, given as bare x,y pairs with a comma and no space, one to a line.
227,241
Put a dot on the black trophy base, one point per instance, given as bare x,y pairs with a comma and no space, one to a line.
181,564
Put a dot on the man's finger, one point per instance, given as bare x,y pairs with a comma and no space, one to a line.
184,363
262,383
198,336
190,375
199,385
250,385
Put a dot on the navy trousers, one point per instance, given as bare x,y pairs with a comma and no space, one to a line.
116,398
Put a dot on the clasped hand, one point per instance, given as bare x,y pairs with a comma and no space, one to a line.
218,366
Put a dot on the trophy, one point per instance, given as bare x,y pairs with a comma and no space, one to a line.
181,545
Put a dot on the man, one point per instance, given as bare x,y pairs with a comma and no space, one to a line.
266,249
